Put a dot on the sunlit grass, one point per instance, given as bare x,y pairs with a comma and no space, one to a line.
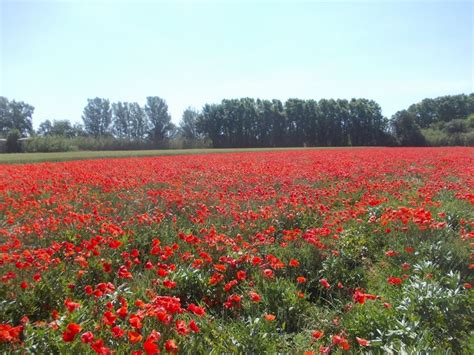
18,158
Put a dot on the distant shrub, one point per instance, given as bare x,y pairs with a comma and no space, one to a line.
458,132
456,126
13,144
469,138
111,143
48,144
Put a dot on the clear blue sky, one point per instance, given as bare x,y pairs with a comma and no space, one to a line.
56,54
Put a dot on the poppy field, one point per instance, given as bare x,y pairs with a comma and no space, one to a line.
311,251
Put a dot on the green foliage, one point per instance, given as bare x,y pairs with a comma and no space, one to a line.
129,121
245,122
429,314
97,117
351,263
49,144
294,316
442,109
160,121
439,305
15,115
446,120
62,128
458,132
253,336
188,125
13,144
406,130
63,144
262,123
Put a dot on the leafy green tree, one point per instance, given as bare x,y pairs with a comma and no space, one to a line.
406,130
297,123
139,121
442,109
425,112
78,130
45,128
277,116
312,117
247,108
265,124
62,128
367,125
4,116
326,109
173,131
188,124
97,117
15,115
156,110
343,115
232,123
121,120
210,123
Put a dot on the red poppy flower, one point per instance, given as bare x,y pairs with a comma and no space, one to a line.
362,342
270,317
87,337
325,283
317,334
294,263
134,337
254,296
171,346
394,280
301,279
71,331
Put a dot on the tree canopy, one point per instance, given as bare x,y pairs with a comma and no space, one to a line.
160,120
263,123
443,108
248,122
15,115
97,117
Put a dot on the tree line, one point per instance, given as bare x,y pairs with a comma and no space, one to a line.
445,120
270,123
124,120
15,116
248,122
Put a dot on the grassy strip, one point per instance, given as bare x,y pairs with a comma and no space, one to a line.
21,158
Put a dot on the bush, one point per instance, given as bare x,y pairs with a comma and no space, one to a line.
437,138
446,137
13,143
62,144
111,143
48,144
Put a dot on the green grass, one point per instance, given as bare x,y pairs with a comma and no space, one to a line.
20,158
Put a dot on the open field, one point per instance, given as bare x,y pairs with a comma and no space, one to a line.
20,158
289,251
